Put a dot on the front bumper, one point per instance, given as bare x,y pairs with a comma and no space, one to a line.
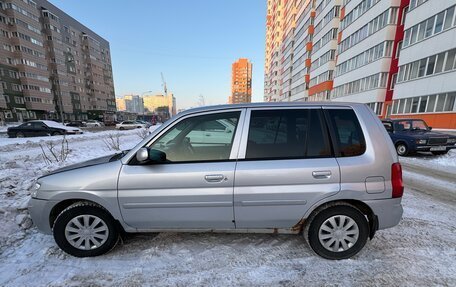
388,211
40,210
430,147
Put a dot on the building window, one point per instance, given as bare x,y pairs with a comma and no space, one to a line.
434,25
428,66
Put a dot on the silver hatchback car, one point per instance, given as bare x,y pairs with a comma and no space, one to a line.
328,171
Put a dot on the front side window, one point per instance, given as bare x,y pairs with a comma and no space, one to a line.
348,135
287,134
199,138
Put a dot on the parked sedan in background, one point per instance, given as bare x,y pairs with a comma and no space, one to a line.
41,128
413,135
148,125
128,125
76,124
94,124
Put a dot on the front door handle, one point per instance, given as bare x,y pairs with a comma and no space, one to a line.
321,174
214,177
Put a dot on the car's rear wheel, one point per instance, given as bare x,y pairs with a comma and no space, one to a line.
20,135
402,149
439,152
338,232
56,133
85,229
121,128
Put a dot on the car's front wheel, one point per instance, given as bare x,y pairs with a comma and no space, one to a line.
85,229
20,135
338,232
402,149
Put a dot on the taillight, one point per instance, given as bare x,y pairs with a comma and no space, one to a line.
396,180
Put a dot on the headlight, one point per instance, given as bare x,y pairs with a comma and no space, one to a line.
451,141
35,189
421,141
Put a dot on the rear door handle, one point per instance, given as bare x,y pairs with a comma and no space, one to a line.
214,177
321,174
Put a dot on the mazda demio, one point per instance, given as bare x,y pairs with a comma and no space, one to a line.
325,171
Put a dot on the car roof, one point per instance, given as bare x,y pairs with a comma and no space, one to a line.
402,119
268,105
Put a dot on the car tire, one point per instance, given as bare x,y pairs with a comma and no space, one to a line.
402,149
337,232
85,229
439,152
20,135
121,128
56,133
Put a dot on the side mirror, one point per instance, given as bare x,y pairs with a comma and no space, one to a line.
142,154
429,128
228,131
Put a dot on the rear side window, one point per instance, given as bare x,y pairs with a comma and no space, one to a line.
281,134
348,135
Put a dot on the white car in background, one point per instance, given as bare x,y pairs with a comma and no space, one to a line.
129,125
94,124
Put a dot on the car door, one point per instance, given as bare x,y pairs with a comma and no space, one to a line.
193,189
26,129
285,166
41,129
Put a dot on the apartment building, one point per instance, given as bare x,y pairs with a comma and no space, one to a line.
426,79
302,48
397,56
371,32
163,105
52,66
323,55
241,82
273,62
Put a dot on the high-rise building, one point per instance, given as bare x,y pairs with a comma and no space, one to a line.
52,66
397,56
164,105
241,82
425,85
121,104
134,104
274,31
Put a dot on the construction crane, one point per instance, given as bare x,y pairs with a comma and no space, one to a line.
164,84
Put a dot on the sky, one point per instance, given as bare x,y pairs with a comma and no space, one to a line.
193,43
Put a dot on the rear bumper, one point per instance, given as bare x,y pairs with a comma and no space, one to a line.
388,211
40,210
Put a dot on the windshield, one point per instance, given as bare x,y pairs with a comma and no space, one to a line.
410,125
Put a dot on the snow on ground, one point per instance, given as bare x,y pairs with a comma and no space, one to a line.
21,162
431,174
420,251
445,163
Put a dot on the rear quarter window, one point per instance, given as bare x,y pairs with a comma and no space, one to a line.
347,135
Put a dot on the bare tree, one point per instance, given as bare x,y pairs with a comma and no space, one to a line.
142,133
54,152
112,141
